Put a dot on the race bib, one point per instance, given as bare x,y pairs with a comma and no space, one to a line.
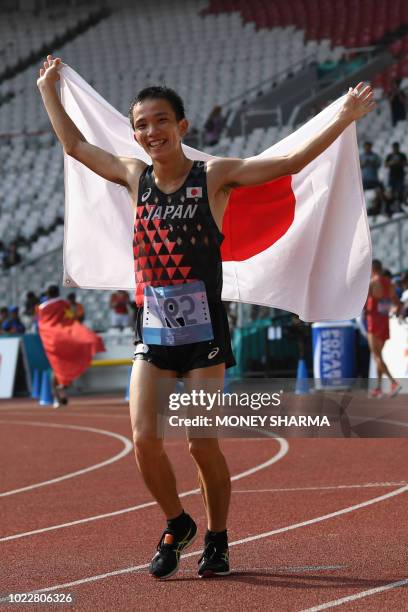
176,314
384,306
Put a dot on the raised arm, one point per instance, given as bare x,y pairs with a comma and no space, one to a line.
229,173
120,170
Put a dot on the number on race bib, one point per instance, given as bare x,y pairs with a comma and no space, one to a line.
176,314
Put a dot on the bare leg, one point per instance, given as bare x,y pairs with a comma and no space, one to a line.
58,390
376,346
213,473
149,385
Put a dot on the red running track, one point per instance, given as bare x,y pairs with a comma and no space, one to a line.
314,522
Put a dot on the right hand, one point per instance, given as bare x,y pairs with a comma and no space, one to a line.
49,75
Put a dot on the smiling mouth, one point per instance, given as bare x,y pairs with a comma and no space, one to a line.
156,144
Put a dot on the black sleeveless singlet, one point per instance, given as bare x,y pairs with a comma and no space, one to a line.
176,239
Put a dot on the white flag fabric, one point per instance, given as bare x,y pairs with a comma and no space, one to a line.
300,243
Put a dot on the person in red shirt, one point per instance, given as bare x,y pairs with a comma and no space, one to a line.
381,298
76,307
119,304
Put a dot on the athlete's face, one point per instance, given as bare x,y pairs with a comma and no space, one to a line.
157,129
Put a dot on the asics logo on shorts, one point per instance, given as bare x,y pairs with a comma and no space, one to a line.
213,353
146,194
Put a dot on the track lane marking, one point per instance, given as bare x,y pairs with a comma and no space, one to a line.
343,600
135,568
283,449
368,485
128,446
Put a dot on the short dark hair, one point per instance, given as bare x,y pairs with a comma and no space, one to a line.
367,142
377,265
159,92
395,144
53,291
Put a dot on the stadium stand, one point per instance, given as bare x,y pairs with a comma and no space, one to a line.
180,44
348,23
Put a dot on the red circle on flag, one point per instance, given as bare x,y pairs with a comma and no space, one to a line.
194,192
256,217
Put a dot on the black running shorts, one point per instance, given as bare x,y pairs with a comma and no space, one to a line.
188,357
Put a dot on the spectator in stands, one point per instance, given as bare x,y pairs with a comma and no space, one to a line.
119,305
213,126
13,324
4,315
397,280
77,309
30,304
396,162
398,102
29,316
13,257
381,299
370,163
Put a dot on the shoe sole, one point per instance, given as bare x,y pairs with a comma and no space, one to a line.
167,576
209,573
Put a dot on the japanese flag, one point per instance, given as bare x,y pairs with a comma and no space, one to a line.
300,243
194,192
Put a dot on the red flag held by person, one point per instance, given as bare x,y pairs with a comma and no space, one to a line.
69,345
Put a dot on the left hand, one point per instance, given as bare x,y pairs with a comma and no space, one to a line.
359,102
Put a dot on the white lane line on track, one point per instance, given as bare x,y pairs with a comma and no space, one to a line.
267,534
367,485
128,446
283,449
343,600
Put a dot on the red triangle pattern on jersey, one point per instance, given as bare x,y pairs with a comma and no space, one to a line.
176,258
170,246
159,272
157,246
184,270
151,234
163,233
148,274
157,262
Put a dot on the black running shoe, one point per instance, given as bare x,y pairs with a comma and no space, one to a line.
214,561
165,562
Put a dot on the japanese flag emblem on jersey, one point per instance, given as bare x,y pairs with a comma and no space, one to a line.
194,192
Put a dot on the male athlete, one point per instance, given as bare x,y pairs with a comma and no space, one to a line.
179,206
381,298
